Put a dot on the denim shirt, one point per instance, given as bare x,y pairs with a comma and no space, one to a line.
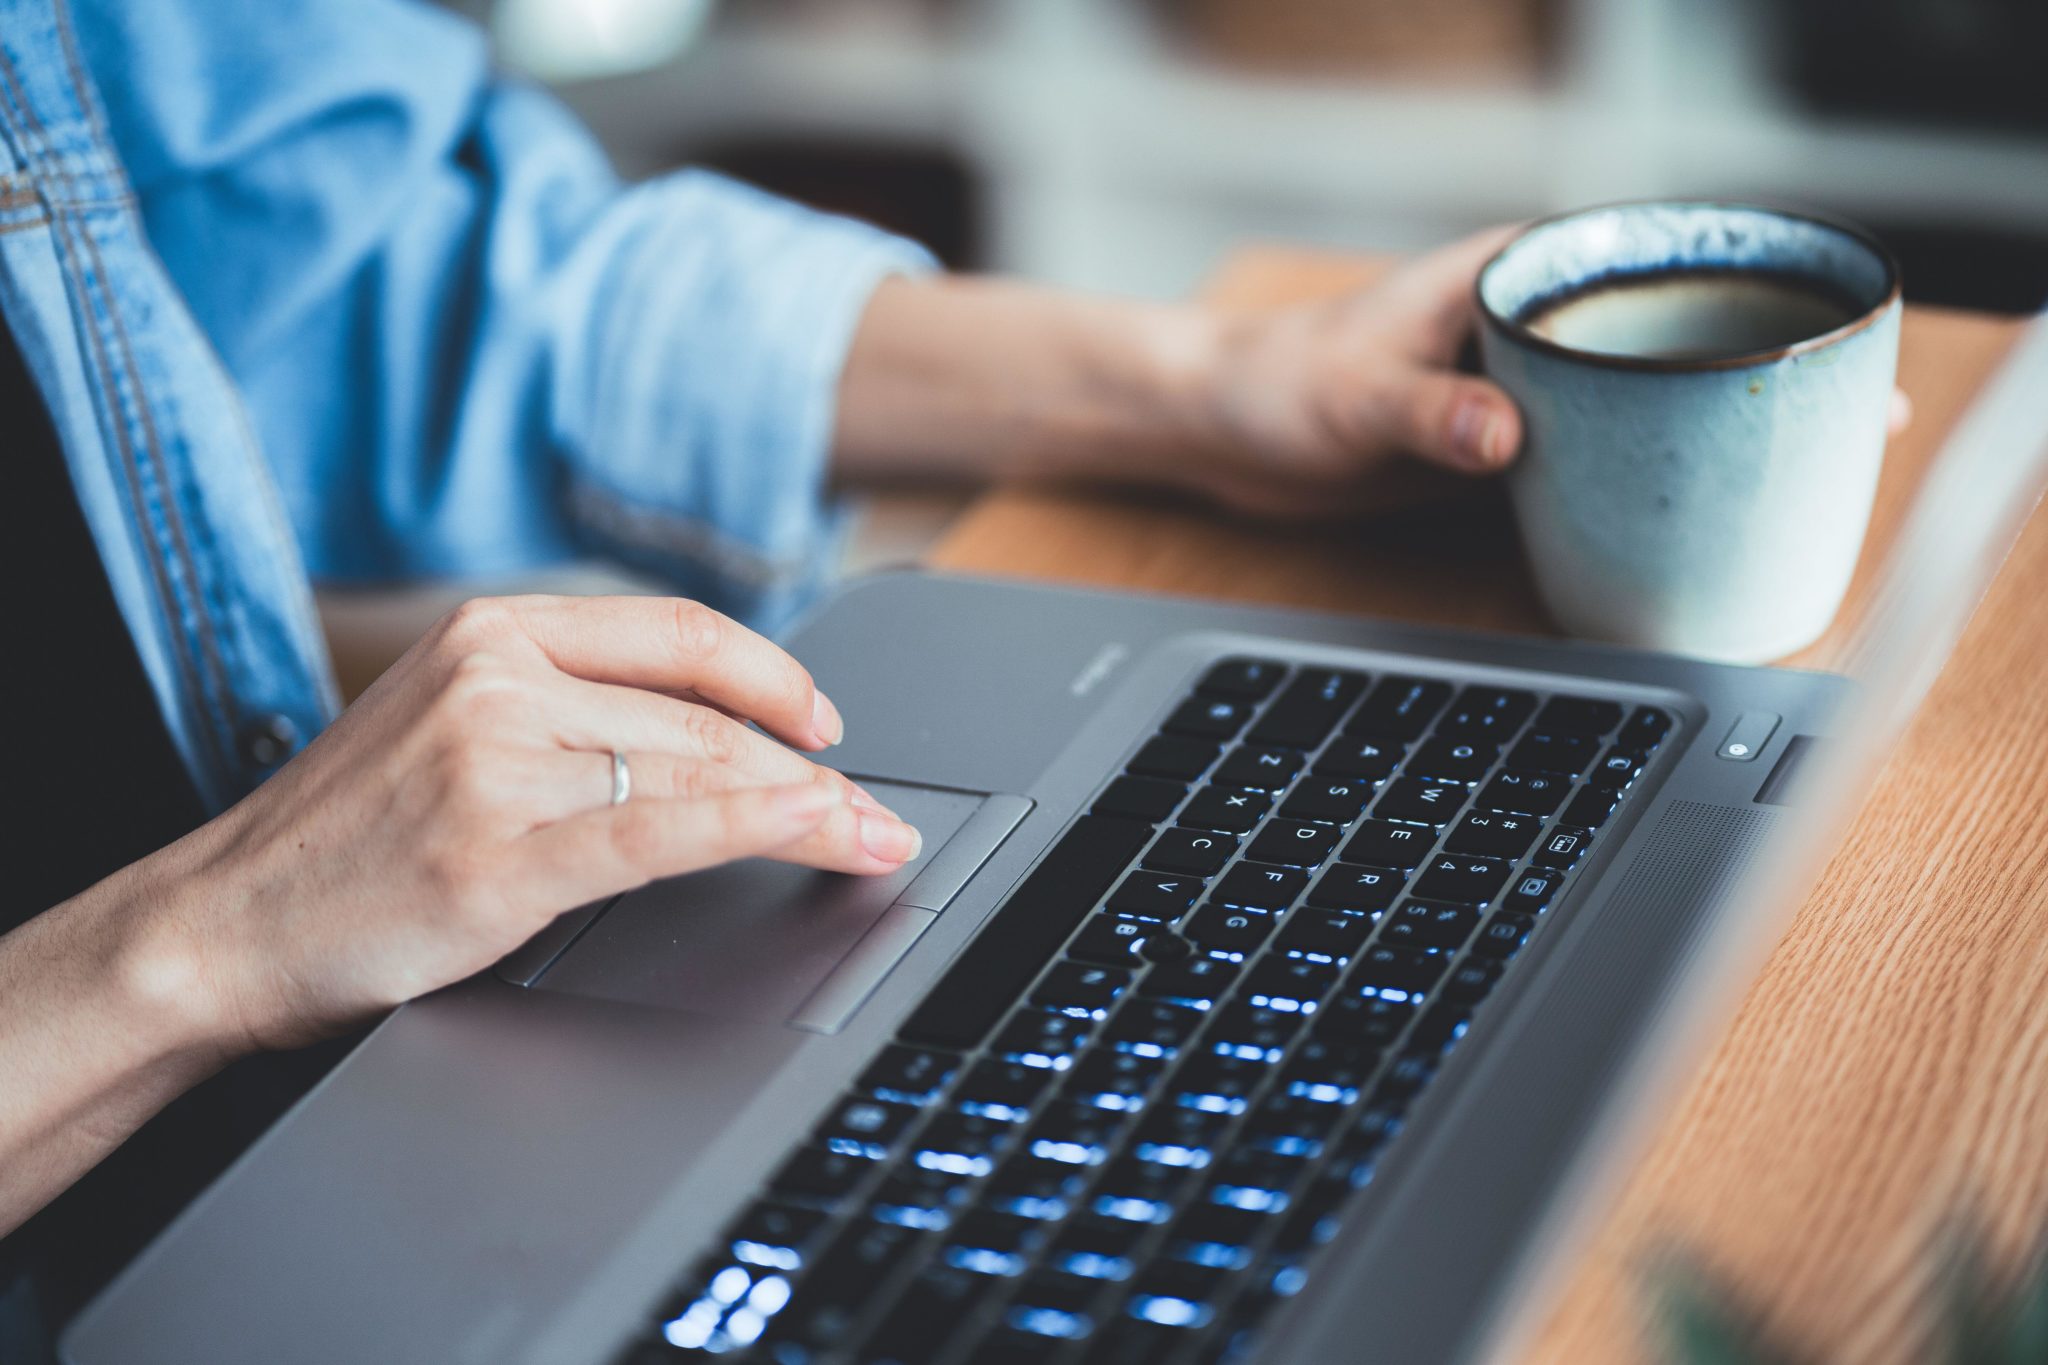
312,292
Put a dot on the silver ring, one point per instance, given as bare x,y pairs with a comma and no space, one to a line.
622,779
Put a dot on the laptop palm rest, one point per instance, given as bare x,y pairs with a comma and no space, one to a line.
767,941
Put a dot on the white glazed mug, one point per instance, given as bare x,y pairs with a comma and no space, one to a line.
1707,506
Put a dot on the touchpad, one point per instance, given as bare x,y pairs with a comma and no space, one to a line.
766,940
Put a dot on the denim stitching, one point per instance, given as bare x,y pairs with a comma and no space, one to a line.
205,586
18,110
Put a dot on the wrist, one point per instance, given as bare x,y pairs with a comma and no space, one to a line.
1187,421
154,964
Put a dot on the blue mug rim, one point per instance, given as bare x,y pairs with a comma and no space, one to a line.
1524,335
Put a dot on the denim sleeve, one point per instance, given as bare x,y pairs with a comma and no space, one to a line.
465,345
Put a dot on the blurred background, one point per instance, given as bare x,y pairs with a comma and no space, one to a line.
1128,145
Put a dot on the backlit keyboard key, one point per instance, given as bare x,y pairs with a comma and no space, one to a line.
1616,769
1465,878
1561,848
1503,936
1289,983
1111,939
1250,679
1308,709
1471,981
1486,714
1527,793
1430,926
1169,756
1199,852
1589,807
1453,760
1363,756
1234,810
1208,718
1397,973
912,1075
1081,989
1578,716
1150,799
1335,799
1230,932
1259,765
1355,1016
1553,751
1325,935
1155,895
1532,890
1399,708
1151,1028
1496,833
1645,729
1201,981
1434,803
1259,886
1254,1032
1360,890
1387,843
1294,843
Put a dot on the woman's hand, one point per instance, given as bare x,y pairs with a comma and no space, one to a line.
463,802
1306,411
1332,408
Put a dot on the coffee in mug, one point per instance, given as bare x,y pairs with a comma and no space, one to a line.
1691,314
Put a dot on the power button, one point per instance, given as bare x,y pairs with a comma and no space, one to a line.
1748,736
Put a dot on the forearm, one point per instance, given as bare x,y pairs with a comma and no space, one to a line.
100,1027
965,378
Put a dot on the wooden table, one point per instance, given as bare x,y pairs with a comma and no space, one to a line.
1889,1071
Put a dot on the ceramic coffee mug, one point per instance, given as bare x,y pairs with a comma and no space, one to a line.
1670,496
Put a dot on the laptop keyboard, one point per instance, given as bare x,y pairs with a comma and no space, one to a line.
1119,1125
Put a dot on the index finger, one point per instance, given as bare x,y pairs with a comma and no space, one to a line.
1438,285
666,644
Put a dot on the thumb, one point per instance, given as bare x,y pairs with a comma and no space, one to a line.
1455,420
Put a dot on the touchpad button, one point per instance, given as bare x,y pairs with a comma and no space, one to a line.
753,939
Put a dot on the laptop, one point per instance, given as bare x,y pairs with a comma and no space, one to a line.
1274,987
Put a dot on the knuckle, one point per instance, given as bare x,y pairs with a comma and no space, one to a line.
715,737
480,688
470,779
699,632
478,621
798,689
692,780
839,835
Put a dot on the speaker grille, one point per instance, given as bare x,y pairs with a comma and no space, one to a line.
1692,855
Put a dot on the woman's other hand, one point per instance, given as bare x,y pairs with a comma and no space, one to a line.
1323,409
1313,410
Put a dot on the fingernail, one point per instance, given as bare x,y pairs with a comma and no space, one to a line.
826,722
1493,442
890,840
1471,426
865,800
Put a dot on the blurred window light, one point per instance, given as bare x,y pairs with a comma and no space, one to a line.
570,40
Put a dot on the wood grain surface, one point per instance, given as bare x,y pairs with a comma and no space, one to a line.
1887,1074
